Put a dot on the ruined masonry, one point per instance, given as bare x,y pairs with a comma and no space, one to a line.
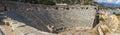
59,17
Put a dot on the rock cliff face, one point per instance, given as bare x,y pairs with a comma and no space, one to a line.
58,18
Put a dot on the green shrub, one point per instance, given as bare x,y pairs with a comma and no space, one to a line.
117,14
101,19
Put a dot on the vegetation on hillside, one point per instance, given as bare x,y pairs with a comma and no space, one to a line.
49,2
53,2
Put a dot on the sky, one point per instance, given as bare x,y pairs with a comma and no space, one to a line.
109,3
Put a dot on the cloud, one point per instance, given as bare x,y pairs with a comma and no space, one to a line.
98,1
109,3
117,2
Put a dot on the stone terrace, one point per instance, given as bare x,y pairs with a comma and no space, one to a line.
61,17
